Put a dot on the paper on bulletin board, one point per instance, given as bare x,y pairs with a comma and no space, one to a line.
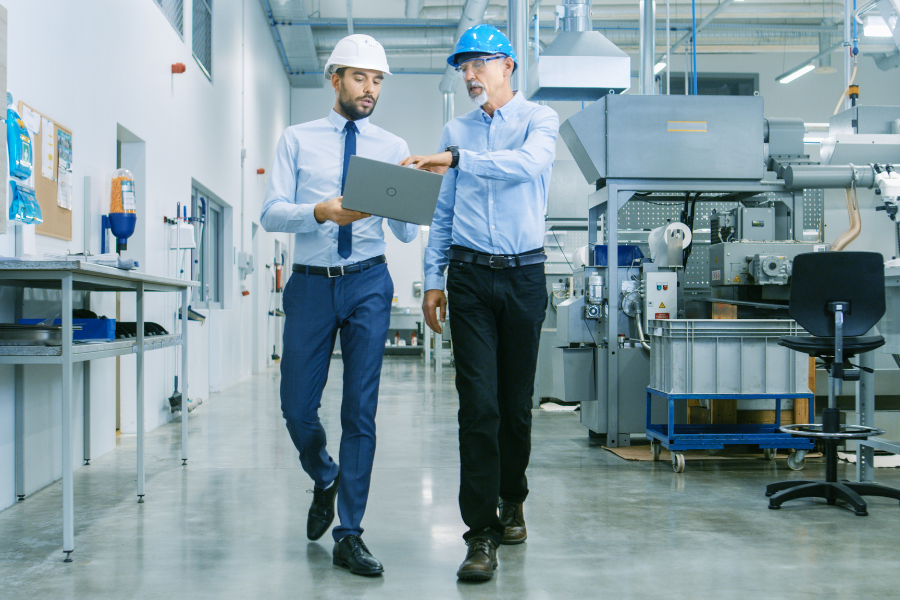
48,154
64,175
32,120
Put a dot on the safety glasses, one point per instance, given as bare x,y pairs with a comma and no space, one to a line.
476,65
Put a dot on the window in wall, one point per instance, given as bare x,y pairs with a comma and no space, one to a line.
715,84
202,35
208,258
174,11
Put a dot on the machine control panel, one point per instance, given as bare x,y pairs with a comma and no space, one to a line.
660,296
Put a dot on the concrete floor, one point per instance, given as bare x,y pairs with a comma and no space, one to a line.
232,523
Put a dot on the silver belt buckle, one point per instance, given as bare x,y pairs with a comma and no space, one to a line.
491,262
330,276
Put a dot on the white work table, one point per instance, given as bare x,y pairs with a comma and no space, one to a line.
69,276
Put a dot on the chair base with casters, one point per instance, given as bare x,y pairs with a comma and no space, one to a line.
831,432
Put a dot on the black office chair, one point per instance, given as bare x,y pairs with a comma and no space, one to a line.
837,297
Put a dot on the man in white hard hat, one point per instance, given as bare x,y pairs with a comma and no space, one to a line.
340,283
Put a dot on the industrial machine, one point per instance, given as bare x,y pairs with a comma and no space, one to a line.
749,197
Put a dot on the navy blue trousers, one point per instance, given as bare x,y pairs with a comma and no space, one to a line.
317,308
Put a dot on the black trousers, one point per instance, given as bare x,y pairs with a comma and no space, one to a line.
496,318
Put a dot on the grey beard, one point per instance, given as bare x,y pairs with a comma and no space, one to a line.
479,100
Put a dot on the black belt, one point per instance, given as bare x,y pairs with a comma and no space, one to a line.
340,270
498,261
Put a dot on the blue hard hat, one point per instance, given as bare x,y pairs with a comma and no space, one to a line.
482,39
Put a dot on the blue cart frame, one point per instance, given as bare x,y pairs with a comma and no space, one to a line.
715,437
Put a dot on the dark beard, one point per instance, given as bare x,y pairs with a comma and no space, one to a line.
351,110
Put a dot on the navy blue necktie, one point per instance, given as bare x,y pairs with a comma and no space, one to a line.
345,232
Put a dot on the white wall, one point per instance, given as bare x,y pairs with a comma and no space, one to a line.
108,64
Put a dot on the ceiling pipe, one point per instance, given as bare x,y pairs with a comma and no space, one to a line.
441,39
349,17
703,23
517,32
472,14
769,10
413,8
682,24
647,46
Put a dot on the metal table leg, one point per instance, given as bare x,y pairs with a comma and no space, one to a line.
140,390
67,471
19,371
184,376
86,395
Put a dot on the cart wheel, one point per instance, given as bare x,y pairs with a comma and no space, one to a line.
770,453
796,461
655,449
678,462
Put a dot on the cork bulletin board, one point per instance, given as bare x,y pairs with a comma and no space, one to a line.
57,220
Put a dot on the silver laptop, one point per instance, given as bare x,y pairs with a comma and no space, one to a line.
391,191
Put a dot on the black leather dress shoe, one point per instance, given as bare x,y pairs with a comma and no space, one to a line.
321,512
351,553
481,560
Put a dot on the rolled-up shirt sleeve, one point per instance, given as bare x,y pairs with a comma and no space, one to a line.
280,212
519,164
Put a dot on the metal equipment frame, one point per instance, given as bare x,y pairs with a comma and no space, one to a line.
607,200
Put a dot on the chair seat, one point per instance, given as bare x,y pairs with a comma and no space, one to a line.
824,346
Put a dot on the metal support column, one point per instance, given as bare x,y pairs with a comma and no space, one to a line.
848,45
865,416
139,307
184,376
612,322
67,470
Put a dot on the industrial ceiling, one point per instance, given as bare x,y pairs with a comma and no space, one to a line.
424,31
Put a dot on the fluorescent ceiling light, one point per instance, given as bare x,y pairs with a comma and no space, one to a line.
659,67
789,77
876,27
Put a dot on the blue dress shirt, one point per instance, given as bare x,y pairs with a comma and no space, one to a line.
307,170
495,199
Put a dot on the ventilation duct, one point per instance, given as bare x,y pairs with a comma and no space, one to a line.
580,64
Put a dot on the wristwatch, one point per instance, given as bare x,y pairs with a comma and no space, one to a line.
454,150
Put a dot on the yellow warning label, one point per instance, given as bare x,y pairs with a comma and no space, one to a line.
662,305
737,279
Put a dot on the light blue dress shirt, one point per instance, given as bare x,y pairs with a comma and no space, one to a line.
495,199
307,170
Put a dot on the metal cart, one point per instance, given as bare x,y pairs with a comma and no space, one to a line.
678,438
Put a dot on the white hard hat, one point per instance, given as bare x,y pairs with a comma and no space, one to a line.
360,51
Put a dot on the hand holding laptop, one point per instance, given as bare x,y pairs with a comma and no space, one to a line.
333,210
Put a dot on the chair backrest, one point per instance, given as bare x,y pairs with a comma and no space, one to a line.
819,278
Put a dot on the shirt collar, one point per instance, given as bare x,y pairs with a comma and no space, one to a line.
508,109
339,122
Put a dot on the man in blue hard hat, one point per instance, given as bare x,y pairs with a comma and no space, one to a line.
340,283
489,227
